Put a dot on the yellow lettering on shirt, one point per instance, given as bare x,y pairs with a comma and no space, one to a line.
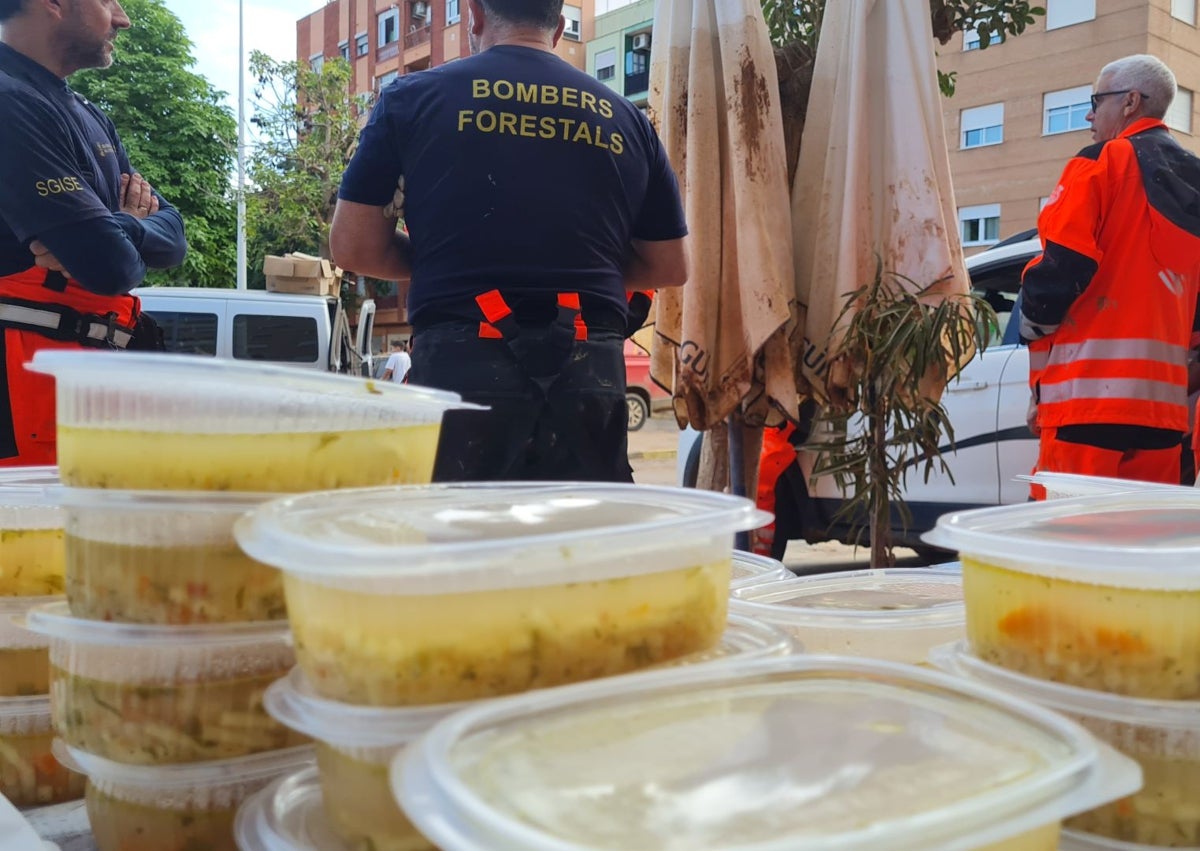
564,128
57,186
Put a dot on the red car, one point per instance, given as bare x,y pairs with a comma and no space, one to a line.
641,394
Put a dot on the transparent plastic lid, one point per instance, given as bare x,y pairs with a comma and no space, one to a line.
750,569
55,620
885,599
1174,715
184,776
1073,840
470,537
1148,539
1073,484
38,477
811,752
132,501
24,715
13,633
288,815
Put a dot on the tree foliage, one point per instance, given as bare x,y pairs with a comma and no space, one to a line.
178,134
307,122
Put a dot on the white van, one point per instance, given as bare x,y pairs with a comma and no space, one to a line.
299,330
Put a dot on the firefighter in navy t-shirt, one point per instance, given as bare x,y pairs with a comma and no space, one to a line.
536,201
78,226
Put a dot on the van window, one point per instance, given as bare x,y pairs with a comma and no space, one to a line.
289,339
188,333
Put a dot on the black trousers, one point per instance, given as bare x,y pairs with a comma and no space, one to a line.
570,425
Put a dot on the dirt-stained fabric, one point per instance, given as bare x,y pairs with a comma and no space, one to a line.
721,341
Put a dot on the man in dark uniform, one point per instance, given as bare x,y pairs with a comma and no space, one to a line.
78,226
536,200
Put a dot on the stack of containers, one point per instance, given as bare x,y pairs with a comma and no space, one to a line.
1091,606
170,635
31,574
409,603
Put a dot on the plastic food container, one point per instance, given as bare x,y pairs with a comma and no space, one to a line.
31,535
173,807
164,557
289,816
356,744
751,569
24,655
401,596
1163,736
150,695
807,752
153,421
897,614
1099,592
29,774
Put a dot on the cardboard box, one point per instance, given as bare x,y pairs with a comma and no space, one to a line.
302,274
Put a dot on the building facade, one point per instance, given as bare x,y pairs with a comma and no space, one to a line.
619,53
1019,109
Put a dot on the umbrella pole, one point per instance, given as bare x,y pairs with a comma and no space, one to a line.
737,474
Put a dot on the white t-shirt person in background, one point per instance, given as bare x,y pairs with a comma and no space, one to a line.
398,363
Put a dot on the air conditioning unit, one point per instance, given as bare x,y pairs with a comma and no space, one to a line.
641,41
420,10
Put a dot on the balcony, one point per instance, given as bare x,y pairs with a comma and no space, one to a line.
637,84
417,36
389,51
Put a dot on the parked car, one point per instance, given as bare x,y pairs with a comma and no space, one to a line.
986,404
298,330
642,395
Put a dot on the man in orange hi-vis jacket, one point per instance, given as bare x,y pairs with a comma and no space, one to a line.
1109,307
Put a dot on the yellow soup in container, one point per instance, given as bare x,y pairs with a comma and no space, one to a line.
811,752
174,807
24,655
31,532
152,421
1100,592
401,596
164,557
150,695
1162,736
30,775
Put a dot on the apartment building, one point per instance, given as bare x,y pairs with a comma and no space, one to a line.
619,53
1019,110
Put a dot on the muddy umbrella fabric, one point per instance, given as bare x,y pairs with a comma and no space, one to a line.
873,180
721,342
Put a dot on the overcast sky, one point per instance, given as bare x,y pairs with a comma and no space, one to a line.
212,25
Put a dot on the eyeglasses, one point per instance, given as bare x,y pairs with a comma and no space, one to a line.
1096,97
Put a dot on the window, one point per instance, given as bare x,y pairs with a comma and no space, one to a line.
971,40
980,225
361,45
1063,13
316,62
344,50
982,125
573,16
385,80
452,14
389,26
637,62
188,333
1179,116
1184,10
292,339
606,64
1066,110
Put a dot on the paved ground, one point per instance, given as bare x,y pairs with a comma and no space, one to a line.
652,452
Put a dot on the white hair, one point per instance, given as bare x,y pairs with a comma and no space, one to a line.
1145,74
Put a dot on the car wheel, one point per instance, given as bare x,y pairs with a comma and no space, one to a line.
638,411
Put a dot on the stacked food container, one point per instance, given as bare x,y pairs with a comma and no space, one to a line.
411,603
1091,606
31,574
170,635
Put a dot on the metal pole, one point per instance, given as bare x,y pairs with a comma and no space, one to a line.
241,150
